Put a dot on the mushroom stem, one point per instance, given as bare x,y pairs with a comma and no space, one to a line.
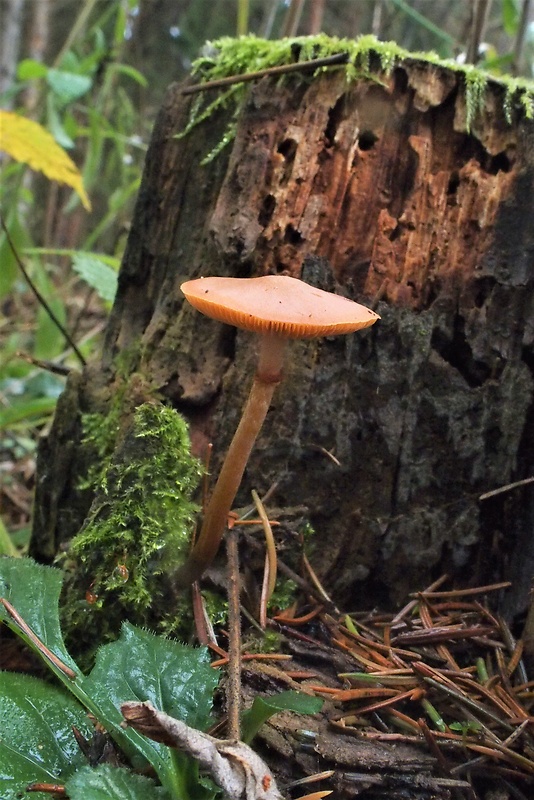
267,378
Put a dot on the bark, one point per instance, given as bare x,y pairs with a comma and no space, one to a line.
11,12
375,190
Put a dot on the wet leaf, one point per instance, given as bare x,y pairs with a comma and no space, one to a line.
263,709
36,739
112,783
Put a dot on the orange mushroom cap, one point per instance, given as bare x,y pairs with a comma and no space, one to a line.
277,304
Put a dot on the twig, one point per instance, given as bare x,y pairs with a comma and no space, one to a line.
409,607
315,580
507,488
491,587
282,69
269,540
233,692
433,747
292,18
45,652
38,294
520,36
49,366
478,27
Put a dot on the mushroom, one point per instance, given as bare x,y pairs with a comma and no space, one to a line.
277,308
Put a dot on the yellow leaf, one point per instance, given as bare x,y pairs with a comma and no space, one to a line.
30,143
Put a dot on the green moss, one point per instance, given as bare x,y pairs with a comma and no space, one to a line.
367,59
139,526
283,596
143,514
268,642
216,606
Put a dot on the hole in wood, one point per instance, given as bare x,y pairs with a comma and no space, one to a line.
367,140
335,115
454,182
292,235
288,149
498,163
267,210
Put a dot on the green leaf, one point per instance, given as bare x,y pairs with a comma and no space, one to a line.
49,341
510,16
97,274
112,783
36,739
33,590
26,409
55,125
7,546
139,666
130,72
9,269
265,707
111,261
70,62
176,678
29,69
67,86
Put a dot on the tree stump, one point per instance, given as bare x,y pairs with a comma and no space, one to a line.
383,440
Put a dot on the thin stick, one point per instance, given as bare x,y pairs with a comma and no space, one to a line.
315,580
38,294
282,69
49,366
520,36
269,540
507,488
409,607
491,587
233,692
293,15
264,593
45,652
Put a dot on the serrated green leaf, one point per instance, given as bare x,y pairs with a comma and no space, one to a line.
140,666
67,86
112,783
176,678
99,275
33,590
28,68
36,739
265,707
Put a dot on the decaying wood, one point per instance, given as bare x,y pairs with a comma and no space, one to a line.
378,191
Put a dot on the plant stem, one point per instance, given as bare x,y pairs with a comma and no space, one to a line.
265,382
233,690
242,17
230,476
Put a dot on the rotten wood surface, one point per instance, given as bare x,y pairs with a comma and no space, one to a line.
375,190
